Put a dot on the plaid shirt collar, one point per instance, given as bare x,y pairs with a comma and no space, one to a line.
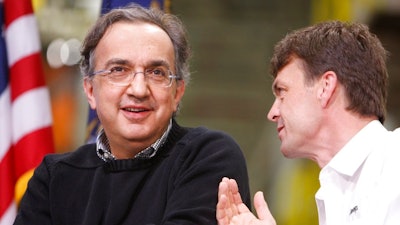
104,152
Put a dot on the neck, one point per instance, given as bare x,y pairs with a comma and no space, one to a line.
336,134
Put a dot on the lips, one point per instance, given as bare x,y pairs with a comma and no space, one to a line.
137,110
279,125
135,107
279,128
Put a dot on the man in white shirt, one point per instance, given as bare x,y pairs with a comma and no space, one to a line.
330,84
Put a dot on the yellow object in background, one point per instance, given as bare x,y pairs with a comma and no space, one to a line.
294,191
322,10
37,4
21,185
345,10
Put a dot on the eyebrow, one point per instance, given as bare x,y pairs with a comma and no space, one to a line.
117,61
159,63
278,85
274,87
152,63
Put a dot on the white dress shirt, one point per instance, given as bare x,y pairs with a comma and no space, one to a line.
361,184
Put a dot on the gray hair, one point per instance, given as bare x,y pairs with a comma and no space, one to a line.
171,24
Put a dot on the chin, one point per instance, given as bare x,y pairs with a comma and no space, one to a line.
287,153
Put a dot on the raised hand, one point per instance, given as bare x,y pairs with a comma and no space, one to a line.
232,211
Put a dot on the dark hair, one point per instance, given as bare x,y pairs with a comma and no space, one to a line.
136,13
348,49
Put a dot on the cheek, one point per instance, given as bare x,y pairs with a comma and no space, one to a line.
294,113
106,96
304,120
169,99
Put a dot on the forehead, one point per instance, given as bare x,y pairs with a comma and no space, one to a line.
136,42
290,75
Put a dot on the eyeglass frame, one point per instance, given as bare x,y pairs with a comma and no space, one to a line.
132,74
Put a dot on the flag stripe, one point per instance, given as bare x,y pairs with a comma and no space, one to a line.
16,9
11,169
5,122
37,118
8,215
20,82
22,45
7,181
37,143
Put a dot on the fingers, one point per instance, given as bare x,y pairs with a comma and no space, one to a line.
229,188
232,210
262,209
234,191
242,208
223,187
226,207
221,211
222,203
245,216
230,207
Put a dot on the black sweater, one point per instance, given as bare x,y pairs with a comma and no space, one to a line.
177,186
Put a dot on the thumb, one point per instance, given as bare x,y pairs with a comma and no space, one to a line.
262,209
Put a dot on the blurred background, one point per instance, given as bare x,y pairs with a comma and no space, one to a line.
230,90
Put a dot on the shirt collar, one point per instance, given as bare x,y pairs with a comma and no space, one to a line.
354,153
104,152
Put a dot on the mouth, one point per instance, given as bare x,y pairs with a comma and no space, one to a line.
135,110
135,113
279,128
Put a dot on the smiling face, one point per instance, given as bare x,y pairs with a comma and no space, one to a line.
296,111
133,116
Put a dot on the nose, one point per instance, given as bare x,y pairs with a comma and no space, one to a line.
138,87
273,113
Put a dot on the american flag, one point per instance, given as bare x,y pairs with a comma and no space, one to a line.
25,112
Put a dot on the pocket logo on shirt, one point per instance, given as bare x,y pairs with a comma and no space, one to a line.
354,210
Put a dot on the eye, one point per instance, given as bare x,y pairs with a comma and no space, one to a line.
157,72
280,92
118,73
118,70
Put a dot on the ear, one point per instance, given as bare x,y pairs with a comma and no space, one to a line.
180,90
88,88
327,86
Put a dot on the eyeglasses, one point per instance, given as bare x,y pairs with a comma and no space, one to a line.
122,76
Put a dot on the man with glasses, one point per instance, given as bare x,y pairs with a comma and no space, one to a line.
144,168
